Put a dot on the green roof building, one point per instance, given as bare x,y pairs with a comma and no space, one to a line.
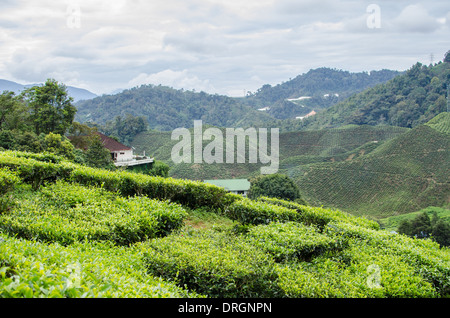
237,186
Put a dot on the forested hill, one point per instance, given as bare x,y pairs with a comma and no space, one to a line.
315,90
166,108
408,100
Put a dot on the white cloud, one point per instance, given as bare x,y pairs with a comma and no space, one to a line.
212,45
415,18
175,79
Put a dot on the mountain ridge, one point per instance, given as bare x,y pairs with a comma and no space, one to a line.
78,94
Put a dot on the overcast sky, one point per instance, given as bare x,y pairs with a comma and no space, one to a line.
225,47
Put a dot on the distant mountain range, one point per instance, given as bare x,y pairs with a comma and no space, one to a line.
78,94
166,108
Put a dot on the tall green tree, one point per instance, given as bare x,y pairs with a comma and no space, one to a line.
423,227
50,107
277,186
97,155
13,113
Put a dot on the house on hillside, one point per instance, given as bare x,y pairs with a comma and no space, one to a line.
237,186
122,155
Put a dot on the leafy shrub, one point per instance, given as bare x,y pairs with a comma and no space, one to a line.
321,216
360,271
289,241
247,211
82,270
193,194
8,180
213,264
67,213
426,257
32,171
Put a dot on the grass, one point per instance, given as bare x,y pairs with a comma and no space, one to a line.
391,223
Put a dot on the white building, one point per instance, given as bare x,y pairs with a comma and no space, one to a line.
122,155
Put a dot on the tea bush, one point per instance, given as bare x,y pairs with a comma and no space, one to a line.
82,270
429,260
321,216
192,194
8,181
66,213
213,264
247,211
289,241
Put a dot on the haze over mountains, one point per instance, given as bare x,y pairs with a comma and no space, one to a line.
78,94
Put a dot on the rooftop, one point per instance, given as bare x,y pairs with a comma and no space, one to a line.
112,144
231,184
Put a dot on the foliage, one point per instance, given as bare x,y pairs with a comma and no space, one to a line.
213,264
166,109
447,57
66,213
320,216
96,155
124,129
30,269
401,175
8,181
324,86
190,193
13,113
274,185
247,211
289,241
105,238
51,107
421,226
408,100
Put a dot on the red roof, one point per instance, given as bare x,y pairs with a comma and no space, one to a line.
112,144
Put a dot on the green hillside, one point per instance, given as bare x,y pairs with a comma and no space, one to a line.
367,170
166,108
404,174
408,100
322,87
70,231
296,148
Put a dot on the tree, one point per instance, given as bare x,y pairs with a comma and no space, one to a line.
423,227
159,168
441,232
447,57
59,145
97,155
13,114
50,107
277,186
80,133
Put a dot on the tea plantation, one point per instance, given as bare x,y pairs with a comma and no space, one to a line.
67,230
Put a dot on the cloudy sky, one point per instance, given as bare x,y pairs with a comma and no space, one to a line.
218,46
